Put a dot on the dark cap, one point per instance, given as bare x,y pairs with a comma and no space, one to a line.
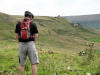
28,14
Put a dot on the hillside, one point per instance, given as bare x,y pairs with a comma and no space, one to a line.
59,47
54,32
92,21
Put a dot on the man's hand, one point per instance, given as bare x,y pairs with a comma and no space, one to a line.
17,36
36,36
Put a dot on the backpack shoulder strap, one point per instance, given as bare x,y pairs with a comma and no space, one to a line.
29,22
21,22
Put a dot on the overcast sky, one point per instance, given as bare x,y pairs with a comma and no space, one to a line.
50,7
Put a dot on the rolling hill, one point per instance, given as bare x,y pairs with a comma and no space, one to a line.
54,32
92,21
59,47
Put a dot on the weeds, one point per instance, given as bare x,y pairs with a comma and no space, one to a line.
52,62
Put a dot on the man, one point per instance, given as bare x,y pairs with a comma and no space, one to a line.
27,33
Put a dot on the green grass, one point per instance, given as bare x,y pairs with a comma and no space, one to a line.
52,62
95,40
98,51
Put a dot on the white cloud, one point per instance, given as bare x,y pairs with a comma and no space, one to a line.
50,7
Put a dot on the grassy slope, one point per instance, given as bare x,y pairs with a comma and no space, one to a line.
54,34
52,62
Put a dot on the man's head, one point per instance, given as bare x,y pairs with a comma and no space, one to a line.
28,14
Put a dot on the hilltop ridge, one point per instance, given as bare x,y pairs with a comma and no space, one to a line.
92,21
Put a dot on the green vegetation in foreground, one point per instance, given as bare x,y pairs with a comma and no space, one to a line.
52,62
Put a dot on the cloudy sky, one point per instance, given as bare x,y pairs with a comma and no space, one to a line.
50,7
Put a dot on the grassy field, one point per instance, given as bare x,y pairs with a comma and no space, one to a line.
58,46
52,62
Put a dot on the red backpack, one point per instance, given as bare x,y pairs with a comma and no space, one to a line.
25,30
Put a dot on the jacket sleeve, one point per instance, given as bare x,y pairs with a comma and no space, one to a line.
34,28
17,29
